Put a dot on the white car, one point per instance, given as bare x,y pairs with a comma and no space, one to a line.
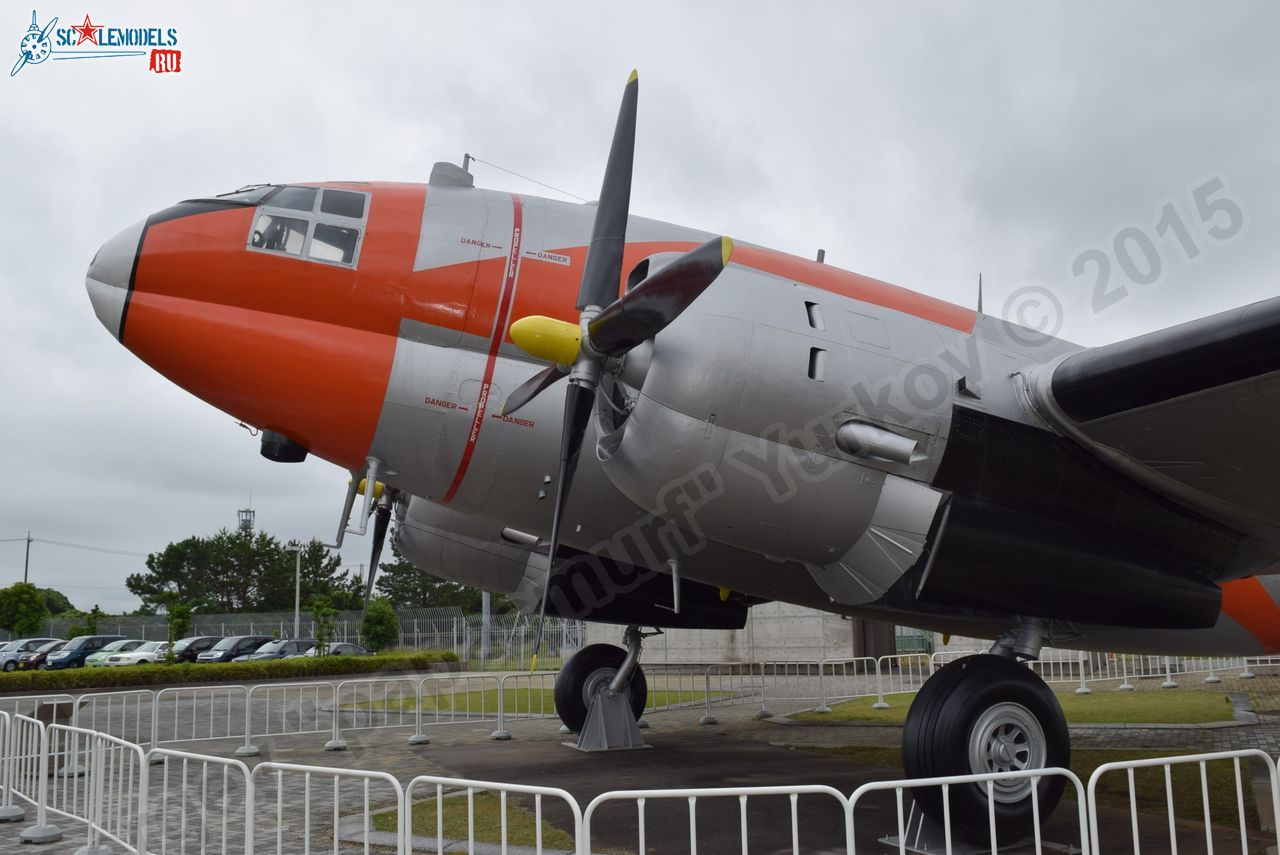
147,653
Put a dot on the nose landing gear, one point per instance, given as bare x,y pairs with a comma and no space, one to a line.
601,693
980,714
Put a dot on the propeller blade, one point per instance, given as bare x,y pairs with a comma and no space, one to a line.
532,388
578,400
648,308
602,274
381,519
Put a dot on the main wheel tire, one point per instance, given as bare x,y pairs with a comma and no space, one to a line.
584,672
986,714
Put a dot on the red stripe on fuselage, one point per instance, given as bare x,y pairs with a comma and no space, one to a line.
495,341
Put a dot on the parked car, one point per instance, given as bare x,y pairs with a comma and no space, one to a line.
35,659
279,649
78,649
147,653
231,647
339,648
99,659
11,650
187,649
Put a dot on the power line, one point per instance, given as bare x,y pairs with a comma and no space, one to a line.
83,546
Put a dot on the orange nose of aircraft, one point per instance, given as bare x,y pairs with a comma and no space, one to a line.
254,302
107,280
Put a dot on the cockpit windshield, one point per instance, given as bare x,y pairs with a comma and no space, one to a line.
315,223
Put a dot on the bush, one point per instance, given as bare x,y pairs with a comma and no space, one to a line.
222,672
380,628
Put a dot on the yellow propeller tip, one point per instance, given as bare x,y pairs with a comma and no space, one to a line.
726,250
635,75
533,666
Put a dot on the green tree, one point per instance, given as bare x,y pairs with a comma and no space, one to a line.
325,617
235,571
56,602
380,628
408,586
22,608
87,622
179,617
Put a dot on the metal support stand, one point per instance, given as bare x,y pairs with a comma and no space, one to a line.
609,725
95,850
12,813
247,750
1169,682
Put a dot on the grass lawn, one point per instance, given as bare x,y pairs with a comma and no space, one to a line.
1113,787
518,702
521,824
1179,706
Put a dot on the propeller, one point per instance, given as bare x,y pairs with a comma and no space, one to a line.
608,326
381,521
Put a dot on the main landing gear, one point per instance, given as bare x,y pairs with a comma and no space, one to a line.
988,713
601,692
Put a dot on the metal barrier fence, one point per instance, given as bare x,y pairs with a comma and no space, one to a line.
196,803
447,787
910,838
173,801
372,791
194,713
1202,761
97,782
175,715
742,794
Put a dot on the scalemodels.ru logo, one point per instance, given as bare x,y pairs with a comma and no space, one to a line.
90,40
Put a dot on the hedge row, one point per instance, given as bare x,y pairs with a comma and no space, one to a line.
228,672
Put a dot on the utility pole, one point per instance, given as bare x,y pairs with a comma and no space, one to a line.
297,592
26,564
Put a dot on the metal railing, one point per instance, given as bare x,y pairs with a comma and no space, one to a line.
908,838
98,783
444,788
741,794
1201,761
174,801
194,803
322,792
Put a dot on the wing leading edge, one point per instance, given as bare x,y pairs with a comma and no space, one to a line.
1189,411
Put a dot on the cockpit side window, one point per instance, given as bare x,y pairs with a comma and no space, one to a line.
279,234
324,225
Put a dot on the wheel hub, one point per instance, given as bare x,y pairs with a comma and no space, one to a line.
597,680
1007,737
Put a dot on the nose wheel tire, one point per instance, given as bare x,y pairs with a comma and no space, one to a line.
589,670
985,714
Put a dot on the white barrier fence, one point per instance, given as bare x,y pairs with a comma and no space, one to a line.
330,709
173,801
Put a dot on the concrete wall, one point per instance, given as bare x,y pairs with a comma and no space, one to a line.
774,632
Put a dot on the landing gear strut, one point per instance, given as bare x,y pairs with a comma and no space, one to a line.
601,693
988,713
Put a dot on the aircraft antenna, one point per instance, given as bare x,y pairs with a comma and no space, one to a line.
979,293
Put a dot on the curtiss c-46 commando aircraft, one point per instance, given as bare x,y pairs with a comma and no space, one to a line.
756,427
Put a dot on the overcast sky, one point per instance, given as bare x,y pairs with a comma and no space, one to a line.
918,143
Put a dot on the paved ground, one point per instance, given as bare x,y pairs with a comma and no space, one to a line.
740,751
